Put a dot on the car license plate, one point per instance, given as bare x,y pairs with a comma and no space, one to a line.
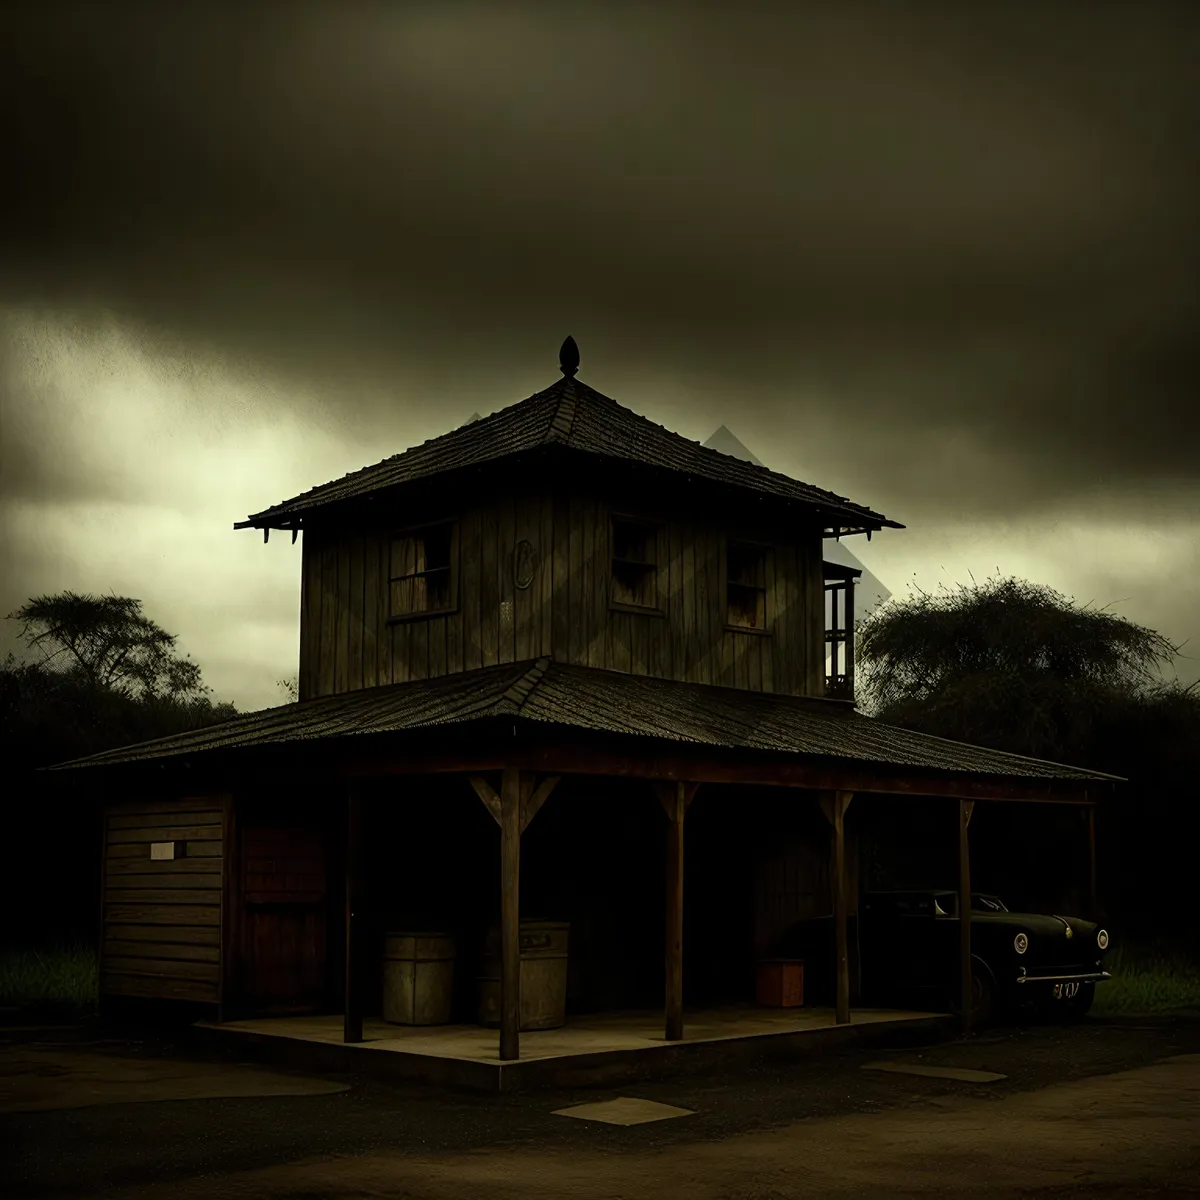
1066,991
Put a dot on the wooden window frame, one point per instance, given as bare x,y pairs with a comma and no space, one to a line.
839,630
453,567
765,550
655,528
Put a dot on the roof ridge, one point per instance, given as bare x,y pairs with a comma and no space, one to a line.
563,420
518,692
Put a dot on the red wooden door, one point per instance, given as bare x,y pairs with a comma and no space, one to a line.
283,918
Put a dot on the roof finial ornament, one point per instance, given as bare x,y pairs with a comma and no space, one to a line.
568,357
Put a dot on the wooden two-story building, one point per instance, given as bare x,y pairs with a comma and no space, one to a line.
538,656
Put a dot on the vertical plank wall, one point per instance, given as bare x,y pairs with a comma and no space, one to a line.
688,641
347,643
792,883
161,931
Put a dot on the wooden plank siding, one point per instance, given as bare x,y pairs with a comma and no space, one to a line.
506,542
161,919
688,640
347,641
812,569
489,585
355,611
792,883
310,615
469,597
326,646
373,610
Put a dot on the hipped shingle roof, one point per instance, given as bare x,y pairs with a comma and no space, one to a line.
574,417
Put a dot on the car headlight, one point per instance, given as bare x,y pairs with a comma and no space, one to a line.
1021,943
1102,939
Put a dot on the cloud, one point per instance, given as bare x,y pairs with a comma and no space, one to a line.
944,261
968,228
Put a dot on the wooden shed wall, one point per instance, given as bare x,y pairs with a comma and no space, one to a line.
346,642
161,920
792,883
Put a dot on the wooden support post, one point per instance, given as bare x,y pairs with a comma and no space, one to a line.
965,808
352,1030
1093,898
674,928
518,802
510,914
675,798
834,806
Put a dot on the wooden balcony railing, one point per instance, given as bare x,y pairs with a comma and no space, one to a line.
839,630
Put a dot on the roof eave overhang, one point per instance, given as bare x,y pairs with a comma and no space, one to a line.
836,520
499,740
642,757
287,518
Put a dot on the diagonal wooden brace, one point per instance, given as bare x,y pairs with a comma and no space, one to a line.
671,794
533,795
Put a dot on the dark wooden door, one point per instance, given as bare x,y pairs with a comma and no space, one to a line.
284,906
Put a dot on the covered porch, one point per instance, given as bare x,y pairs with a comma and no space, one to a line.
677,829
701,882
591,1049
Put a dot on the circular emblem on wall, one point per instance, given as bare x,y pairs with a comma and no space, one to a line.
525,563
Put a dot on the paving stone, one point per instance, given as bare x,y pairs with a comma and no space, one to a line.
624,1110
961,1073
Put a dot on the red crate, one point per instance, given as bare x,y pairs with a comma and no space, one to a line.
781,983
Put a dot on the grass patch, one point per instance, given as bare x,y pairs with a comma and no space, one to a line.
64,978
1148,981
53,977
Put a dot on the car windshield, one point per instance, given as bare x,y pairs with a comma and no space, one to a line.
945,904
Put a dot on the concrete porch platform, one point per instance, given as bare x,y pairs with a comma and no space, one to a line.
590,1050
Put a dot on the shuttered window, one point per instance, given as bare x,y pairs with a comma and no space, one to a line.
746,586
424,567
634,563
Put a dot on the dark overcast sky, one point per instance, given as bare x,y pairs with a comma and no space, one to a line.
943,259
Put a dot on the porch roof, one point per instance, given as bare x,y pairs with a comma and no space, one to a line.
610,703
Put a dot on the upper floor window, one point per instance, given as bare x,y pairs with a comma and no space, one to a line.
422,578
746,586
839,630
634,563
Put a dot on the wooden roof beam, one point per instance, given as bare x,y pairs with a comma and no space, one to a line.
710,768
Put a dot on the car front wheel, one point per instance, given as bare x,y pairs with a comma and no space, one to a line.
985,1000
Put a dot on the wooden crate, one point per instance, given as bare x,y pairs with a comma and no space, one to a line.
781,983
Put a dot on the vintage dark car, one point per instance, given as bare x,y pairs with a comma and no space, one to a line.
905,947
909,944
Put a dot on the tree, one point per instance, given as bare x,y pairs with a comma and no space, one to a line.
107,677
1018,667
1008,664
111,642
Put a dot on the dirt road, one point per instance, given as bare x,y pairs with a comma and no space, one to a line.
1088,1112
